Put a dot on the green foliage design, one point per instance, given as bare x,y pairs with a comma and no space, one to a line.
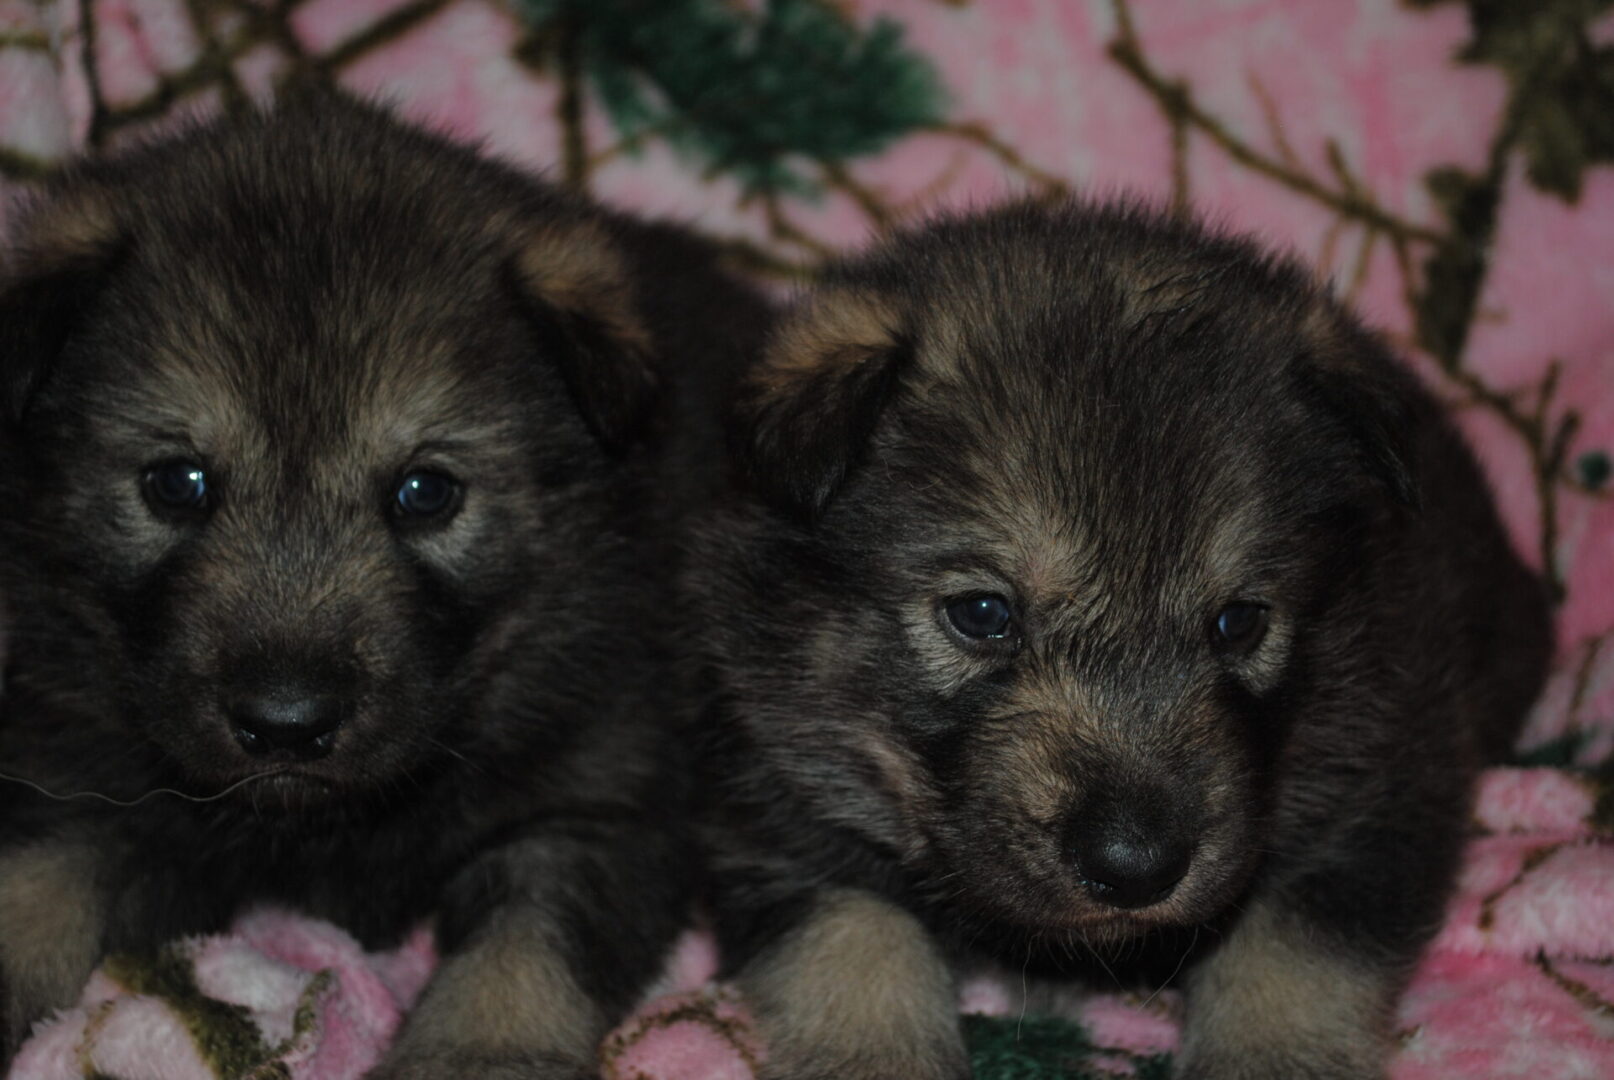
1561,83
751,94
1558,753
1594,468
1045,1048
1455,270
1559,116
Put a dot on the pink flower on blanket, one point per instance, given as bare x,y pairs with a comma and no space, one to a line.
695,1035
1505,1018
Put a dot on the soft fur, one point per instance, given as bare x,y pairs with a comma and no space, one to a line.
314,304
1123,425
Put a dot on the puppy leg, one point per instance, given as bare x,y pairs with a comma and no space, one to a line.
1280,1002
548,942
51,921
856,990
507,1005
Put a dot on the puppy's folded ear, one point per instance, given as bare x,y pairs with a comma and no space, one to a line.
575,280
1352,375
806,412
58,260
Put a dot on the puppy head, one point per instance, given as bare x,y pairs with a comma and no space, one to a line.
1060,498
308,424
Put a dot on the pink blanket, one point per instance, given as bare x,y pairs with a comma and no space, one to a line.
1446,163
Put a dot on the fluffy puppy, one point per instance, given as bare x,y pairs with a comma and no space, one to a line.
1097,580
329,458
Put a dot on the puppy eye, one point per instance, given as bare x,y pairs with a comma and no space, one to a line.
427,494
980,616
176,485
1241,626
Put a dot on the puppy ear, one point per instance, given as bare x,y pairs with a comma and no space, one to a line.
1352,375
808,409
59,259
574,277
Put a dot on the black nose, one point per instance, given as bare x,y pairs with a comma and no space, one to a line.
1126,863
304,726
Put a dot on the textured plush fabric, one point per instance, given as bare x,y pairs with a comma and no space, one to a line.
279,988
1446,163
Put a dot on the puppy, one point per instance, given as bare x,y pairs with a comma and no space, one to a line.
1098,580
335,545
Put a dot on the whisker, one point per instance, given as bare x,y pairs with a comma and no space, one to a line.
23,780
447,749
1097,956
1176,971
1025,993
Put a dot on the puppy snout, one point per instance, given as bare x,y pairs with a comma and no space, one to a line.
287,720
1127,857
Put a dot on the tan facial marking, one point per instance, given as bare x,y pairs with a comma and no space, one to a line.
907,783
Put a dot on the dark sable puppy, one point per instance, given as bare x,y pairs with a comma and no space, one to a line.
328,453
1103,577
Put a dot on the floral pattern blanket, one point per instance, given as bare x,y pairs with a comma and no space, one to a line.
1444,162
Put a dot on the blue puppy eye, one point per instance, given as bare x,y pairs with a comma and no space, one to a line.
177,485
426,494
1241,625
980,616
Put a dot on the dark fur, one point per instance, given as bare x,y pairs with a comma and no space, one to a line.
1122,424
313,302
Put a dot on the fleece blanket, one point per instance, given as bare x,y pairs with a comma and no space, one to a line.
1444,162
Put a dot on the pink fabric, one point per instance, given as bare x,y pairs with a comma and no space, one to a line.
319,1006
1518,982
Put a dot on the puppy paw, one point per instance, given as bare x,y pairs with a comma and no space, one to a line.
858,990
1276,1002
